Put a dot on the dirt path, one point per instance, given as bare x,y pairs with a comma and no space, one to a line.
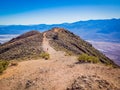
58,73
47,48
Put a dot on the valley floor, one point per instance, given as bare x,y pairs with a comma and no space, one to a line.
111,50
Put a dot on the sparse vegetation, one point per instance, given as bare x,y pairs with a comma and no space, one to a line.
3,65
45,55
88,59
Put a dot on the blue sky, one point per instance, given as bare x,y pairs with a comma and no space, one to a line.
56,11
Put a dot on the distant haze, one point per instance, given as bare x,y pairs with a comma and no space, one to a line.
111,50
7,37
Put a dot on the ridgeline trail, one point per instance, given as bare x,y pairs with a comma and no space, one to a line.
53,53
58,73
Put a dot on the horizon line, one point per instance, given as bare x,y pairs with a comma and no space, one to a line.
57,23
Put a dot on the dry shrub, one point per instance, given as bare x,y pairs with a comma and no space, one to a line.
88,59
3,65
45,55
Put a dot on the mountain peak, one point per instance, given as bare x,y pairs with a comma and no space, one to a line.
57,29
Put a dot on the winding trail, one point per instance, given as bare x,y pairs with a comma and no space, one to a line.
53,53
47,48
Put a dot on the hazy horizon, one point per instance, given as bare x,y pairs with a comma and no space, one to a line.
61,22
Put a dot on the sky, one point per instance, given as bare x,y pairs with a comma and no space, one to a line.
29,12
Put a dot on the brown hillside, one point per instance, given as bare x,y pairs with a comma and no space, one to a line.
61,39
24,46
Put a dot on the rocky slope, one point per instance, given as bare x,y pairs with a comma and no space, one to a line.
61,39
27,45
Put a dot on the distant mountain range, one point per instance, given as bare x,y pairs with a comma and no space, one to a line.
97,30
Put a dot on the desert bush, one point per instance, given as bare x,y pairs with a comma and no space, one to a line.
89,59
45,55
3,65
